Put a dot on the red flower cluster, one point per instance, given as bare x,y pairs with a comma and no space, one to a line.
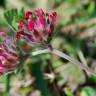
37,27
8,56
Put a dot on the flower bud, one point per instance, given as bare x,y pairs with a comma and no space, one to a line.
37,27
9,58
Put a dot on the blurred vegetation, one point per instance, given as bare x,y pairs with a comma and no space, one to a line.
49,75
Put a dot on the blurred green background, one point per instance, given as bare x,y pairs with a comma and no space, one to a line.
49,75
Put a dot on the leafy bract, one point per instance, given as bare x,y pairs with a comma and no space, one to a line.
13,17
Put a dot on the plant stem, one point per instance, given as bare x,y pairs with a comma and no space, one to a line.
7,85
65,56
40,52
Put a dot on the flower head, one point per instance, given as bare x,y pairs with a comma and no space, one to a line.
37,27
8,56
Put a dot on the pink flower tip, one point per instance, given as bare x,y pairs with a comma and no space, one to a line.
28,14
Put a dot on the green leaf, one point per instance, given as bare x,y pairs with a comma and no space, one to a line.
91,8
70,73
13,17
1,39
22,13
68,92
88,91
10,15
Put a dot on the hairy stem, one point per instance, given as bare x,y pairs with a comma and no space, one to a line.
65,56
